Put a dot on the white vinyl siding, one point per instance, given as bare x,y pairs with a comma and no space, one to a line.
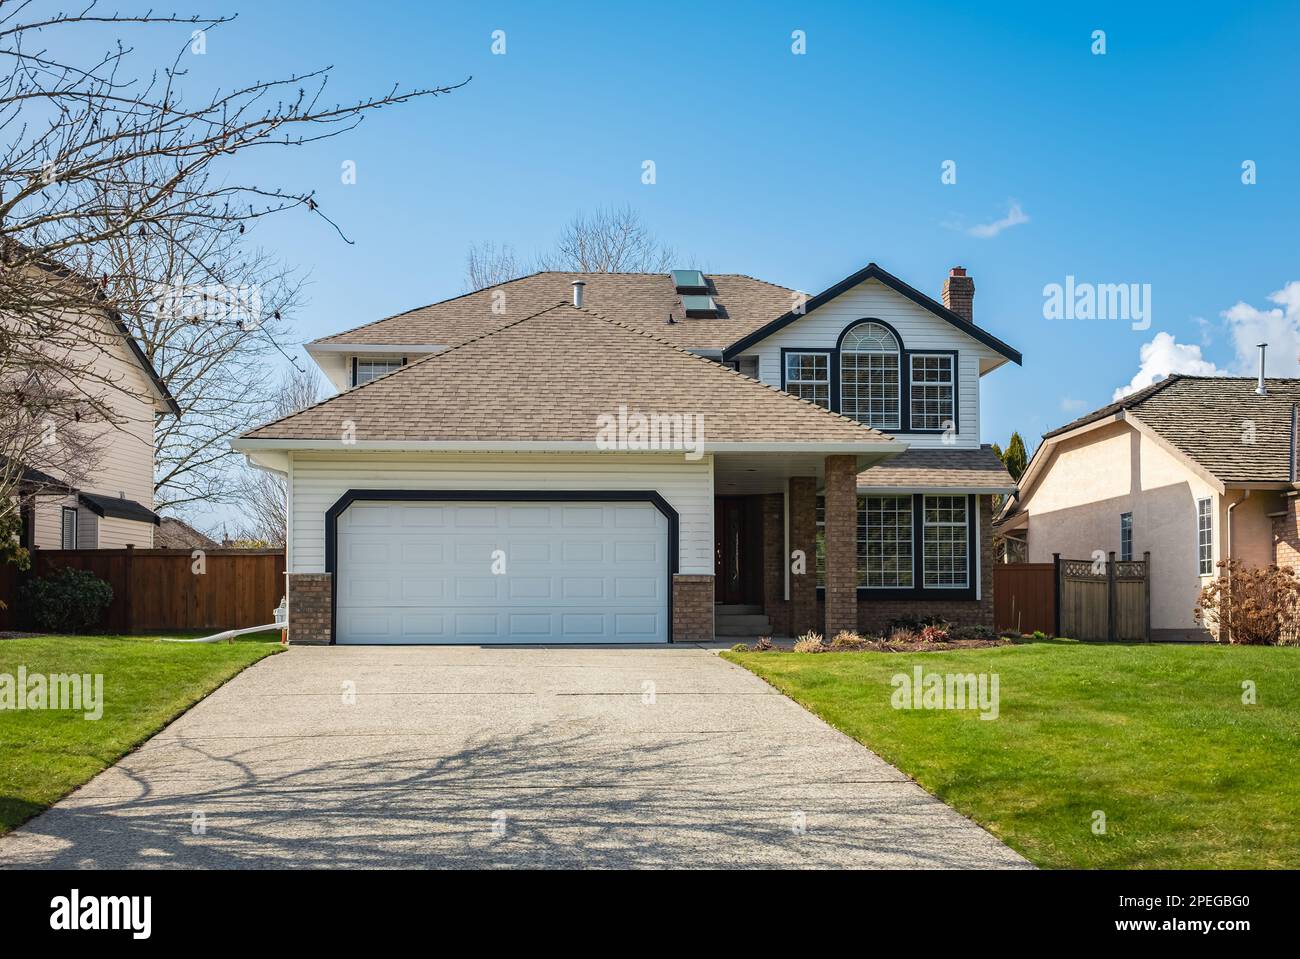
921,332
319,479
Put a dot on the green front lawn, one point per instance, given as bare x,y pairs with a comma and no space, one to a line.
1156,737
44,754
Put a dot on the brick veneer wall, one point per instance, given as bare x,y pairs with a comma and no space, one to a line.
841,544
1286,534
310,605
692,608
804,614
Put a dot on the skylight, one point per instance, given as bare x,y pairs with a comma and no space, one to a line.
699,306
690,281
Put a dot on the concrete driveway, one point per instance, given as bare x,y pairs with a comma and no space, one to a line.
492,757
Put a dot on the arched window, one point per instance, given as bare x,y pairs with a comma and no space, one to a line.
869,375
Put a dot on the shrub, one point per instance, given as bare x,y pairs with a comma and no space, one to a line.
810,642
740,648
847,639
913,623
902,637
934,633
1252,605
763,645
976,633
70,601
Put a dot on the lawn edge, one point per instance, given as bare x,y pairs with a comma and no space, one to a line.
727,655
135,745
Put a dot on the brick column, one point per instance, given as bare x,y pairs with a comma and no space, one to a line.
311,605
803,536
775,606
692,608
841,544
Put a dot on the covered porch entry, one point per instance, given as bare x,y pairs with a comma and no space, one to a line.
766,555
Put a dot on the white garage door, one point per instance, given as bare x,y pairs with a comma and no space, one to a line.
507,572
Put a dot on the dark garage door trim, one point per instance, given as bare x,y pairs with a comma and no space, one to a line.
490,495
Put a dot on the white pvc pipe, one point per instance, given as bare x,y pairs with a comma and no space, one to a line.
229,634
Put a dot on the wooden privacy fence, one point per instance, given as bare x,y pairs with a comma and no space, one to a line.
1024,597
156,590
1104,600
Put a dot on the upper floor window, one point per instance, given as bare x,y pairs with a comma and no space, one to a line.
808,376
1205,535
933,403
869,376
363,371
68,528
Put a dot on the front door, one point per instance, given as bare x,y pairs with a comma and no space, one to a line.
738,549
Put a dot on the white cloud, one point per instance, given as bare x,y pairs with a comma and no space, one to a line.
1163,356
1015,216
1279,327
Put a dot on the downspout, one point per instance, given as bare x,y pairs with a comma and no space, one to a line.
1228,536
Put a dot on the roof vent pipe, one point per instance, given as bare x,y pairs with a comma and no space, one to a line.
577,292
1261,389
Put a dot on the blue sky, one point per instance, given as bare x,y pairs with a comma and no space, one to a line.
802,168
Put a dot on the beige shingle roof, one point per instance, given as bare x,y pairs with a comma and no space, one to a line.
642,300
548,377
965,469
1218,421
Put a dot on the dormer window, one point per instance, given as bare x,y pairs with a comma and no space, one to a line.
363,371
869,375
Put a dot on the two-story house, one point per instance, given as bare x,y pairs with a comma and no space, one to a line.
632,458
108,502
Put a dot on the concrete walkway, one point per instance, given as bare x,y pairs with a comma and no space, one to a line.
492,757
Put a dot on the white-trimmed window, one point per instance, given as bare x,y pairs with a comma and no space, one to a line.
869,376
1205,535
885,542
808,376
366,370
932,391
68,528
1125,537
946,529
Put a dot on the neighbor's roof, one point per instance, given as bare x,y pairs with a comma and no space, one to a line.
641,300
1218,421
548,377
118,508
173,533
971,470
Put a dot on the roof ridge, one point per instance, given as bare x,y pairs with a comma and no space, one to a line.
416,309
404,367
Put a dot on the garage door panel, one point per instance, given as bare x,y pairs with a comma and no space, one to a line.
574,572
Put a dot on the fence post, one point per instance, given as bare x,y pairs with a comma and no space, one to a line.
1110,597
1146,577
129,605
1056,595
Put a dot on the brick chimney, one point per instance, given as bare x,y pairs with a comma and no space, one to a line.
959,293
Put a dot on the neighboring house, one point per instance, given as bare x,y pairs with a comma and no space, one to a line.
113,506
1192,469
485,476
173,533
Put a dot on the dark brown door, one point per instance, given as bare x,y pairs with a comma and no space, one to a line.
737,549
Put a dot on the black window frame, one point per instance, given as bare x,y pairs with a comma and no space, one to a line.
1126,537
904,375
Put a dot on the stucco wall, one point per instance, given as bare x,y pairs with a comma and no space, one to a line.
1075,507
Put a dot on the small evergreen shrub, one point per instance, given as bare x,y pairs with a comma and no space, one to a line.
69,601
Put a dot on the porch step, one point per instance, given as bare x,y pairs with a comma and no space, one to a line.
737,609
726,629
756,622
